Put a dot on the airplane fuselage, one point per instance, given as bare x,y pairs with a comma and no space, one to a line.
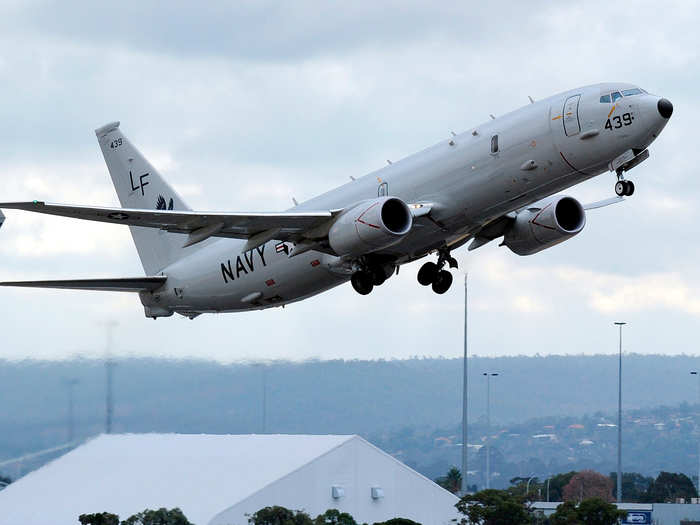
468,179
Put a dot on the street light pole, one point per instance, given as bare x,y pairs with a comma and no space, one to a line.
465,384
488,427
697,487
527,487
619,417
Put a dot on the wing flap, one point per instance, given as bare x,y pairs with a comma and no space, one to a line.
121,284
236,225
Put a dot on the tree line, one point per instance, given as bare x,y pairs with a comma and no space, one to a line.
667,487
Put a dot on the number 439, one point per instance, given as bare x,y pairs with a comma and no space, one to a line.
617,122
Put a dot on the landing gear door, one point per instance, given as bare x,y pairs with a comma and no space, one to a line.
572,125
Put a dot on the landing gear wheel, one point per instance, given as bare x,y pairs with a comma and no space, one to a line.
442,282
362,282
378,276
629,190
620,188
427,273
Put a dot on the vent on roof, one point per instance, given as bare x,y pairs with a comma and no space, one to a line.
337,492
377,492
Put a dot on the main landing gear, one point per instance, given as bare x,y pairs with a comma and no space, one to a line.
623,187
433,274
364,280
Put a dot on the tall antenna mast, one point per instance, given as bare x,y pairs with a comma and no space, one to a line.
109,369
465,390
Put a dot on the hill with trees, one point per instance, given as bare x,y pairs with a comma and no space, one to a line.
549,414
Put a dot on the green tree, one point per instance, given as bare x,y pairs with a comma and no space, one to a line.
161,516
519,486
557,484
334,517
99,518
495,507
668,486
452,481
592,511
634,486
279,516
566,514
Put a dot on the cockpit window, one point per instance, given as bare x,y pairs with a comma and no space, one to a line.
605,99
633,91
616,96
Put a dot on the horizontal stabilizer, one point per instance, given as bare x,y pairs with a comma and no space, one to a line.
121,284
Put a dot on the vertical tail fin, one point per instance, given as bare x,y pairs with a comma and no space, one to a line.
139,185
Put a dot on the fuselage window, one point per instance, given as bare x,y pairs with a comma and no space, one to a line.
633,91
605,99
494,144
616,96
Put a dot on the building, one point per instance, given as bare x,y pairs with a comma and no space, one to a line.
220,479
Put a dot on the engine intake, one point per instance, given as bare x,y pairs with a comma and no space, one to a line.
370,226
535,229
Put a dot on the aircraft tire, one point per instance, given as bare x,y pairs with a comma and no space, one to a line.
629,188
362,282
428,273
442,282
620,188
378,276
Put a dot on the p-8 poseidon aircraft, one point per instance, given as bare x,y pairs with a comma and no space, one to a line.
496,180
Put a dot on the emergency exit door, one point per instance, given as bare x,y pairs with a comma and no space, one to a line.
572,125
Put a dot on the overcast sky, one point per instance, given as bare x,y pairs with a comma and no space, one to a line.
242,107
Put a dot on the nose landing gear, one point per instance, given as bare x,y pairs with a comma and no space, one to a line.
623,187
433,274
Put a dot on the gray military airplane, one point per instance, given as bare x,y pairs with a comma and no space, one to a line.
497,179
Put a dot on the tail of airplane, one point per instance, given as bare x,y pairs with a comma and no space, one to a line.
140,186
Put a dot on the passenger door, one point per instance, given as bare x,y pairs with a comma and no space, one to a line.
572,124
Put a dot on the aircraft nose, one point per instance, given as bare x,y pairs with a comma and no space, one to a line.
665,108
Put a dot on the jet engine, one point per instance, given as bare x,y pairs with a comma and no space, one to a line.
370,226
535,229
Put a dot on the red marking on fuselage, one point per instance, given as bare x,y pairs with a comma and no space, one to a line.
534,219
315,262
359,219
270,282
571,165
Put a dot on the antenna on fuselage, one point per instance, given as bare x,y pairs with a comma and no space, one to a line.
490,115
388,161
531,101
295,202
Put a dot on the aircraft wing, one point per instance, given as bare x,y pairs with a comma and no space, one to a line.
199,225
122,284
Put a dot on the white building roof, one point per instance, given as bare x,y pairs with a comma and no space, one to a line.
125,474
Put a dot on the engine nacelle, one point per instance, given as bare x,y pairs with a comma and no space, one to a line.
370,226
536,229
